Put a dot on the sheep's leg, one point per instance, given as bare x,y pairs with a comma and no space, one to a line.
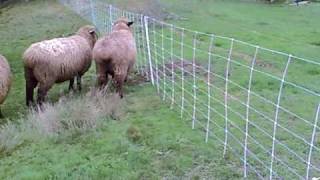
102,80
42,92
79,84
71,87
29,92
102,76
119,81
128,72
31,83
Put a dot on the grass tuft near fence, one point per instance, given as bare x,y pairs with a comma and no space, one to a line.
70,116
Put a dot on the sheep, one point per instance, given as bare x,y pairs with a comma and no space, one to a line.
58,60
5,80
115,55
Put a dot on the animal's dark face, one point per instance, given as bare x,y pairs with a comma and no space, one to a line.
89,32
94,35
129,23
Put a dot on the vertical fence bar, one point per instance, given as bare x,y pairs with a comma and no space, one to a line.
93,14
194,79
182,73
313,137
172,67
123,13
247,113
155,55
275,125
110,18
148,48
142,50
106,19
209,87
78,7
137,38
163,63
144,47
226,98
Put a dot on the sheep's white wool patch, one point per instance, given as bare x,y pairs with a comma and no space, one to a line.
57,47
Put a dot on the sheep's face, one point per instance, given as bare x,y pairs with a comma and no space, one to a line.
122,24
90,33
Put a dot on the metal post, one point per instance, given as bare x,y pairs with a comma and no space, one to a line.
148,48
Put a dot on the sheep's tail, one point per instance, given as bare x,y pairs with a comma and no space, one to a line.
31,83
29,57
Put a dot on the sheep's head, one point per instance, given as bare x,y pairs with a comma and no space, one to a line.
122,24
90,33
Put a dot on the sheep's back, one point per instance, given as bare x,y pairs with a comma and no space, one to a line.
5,78
62,56
118,47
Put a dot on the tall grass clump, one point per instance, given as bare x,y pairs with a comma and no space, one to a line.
70,116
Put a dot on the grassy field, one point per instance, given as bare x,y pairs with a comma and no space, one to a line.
279,30
150,141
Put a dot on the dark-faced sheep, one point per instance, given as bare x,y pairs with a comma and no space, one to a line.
115,54
58,60
5,80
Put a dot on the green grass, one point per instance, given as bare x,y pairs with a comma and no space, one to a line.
284,28
150,141
164,147
291,29
22,24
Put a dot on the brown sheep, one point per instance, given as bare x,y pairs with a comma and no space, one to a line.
5,80
115,55
58,60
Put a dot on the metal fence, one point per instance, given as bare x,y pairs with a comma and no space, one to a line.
259,106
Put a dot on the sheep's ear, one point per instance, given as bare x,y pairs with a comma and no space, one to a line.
92,31
130,23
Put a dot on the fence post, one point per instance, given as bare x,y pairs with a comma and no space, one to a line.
182,73
145,64
247,114
148,48
209,88
312,140
106,19
226,98
194,80
275,124
134,18
172,68
93,15
163,63
156,55
110,18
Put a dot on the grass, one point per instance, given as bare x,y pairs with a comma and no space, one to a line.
20,28
70,116
150,141
165,147
279,27
291,29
